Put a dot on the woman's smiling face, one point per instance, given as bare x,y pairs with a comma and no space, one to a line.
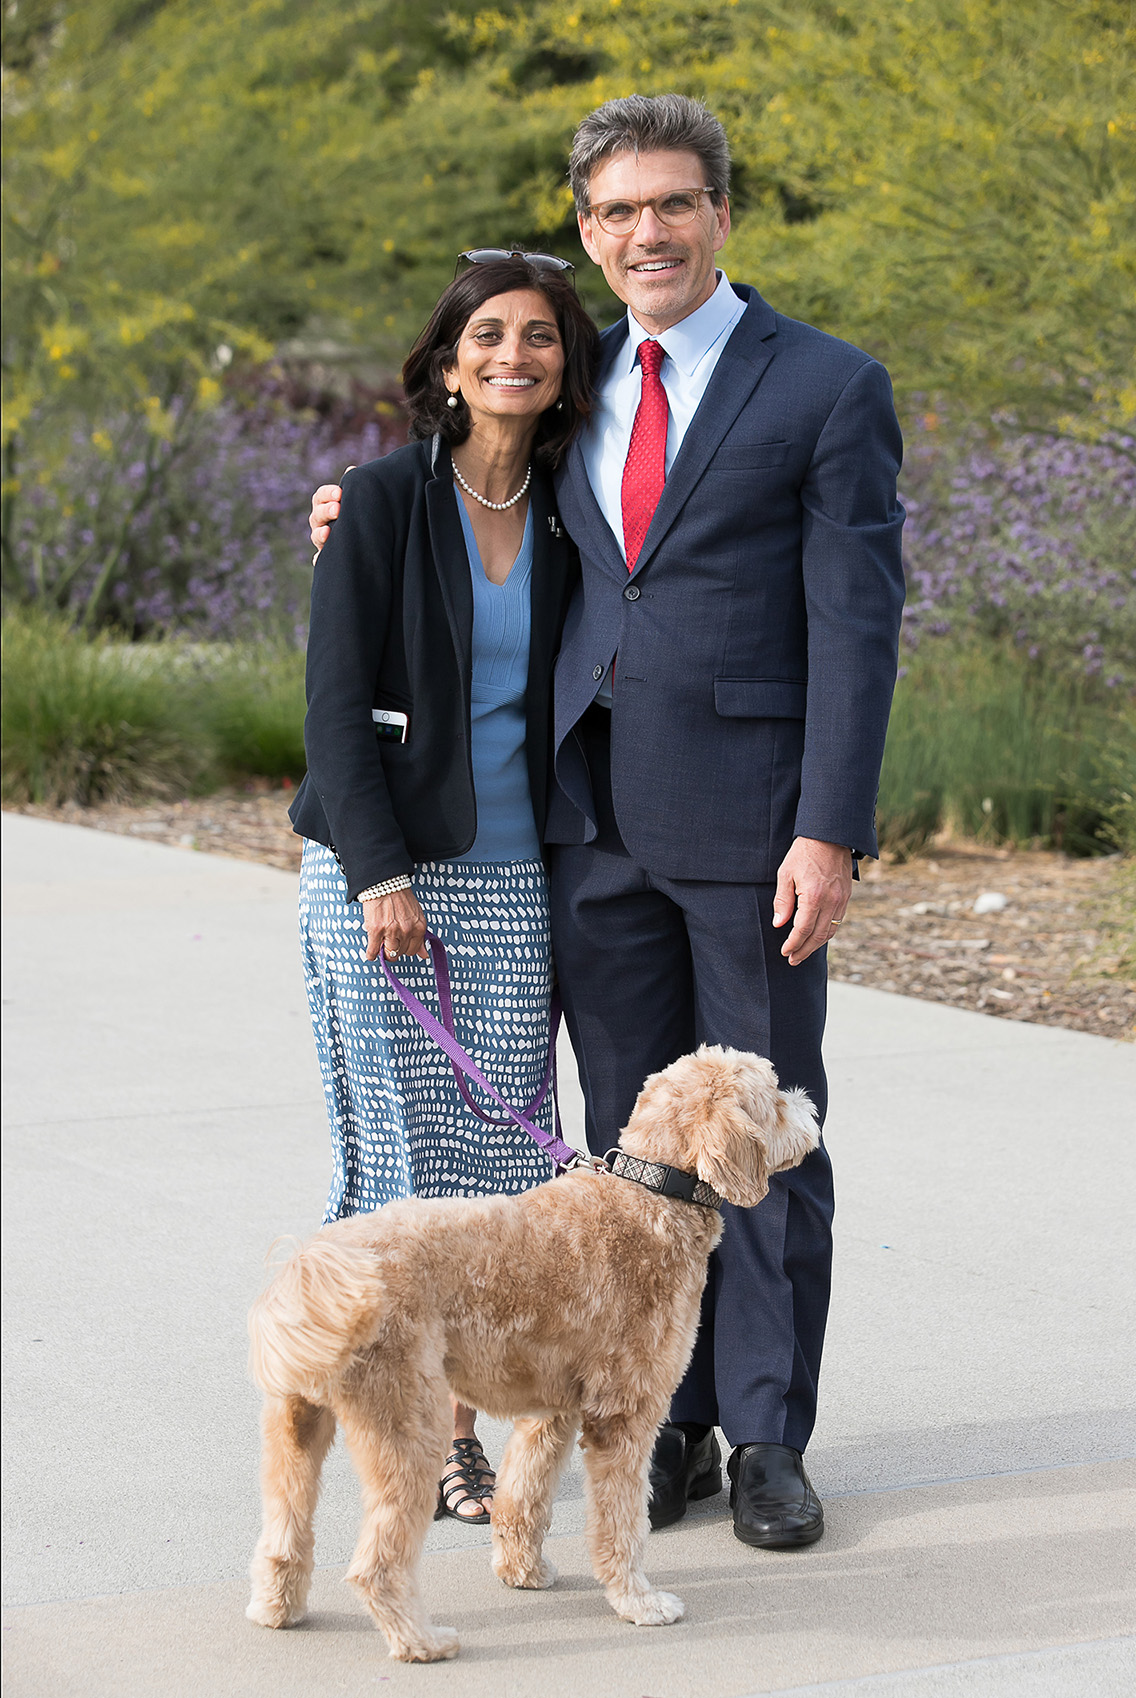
510,358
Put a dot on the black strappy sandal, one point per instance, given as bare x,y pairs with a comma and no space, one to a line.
467,1478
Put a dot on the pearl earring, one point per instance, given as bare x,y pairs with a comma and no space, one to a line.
559,406
452,402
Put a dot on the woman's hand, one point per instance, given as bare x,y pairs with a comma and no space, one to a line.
396,924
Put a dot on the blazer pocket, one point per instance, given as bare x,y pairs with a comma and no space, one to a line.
760,698
391,736
749,456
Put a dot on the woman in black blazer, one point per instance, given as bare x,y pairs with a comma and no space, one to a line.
436,613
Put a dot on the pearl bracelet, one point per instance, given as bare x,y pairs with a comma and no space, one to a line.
387,888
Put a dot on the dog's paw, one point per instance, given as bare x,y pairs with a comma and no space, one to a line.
433,1646
652,1609
274,1612
533,1574
279,1590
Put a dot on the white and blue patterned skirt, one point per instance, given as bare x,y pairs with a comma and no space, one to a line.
399,1127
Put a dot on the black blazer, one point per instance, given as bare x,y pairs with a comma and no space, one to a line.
392,626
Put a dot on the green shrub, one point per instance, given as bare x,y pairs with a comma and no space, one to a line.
251,699
88,720
982,740
991,745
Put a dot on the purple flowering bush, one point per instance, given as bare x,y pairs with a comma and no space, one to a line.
1014,719
201,530
1025,540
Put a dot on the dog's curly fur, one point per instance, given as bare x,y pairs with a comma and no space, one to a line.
572,1306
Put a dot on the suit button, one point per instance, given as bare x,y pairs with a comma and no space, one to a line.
631,593
597,673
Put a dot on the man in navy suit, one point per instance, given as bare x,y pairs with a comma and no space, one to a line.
721,702
722,696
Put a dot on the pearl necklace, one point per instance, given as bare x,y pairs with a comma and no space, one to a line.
497,506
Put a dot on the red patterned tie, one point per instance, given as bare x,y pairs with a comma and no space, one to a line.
645,470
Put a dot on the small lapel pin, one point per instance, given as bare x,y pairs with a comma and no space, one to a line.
554,525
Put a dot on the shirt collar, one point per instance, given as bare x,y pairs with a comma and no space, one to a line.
689,341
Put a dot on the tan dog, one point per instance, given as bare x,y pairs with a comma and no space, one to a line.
570,1306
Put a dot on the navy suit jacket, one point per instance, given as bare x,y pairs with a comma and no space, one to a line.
756,640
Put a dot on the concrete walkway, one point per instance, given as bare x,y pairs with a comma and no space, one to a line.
165,1124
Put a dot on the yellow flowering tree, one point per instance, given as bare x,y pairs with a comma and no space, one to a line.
163,172
951,183
191,186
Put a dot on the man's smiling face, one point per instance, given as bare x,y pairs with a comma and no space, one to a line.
663,274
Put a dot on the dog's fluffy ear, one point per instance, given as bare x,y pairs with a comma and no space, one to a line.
691,1116
751,1128
786,1119
720,1112
729,1156
735,1156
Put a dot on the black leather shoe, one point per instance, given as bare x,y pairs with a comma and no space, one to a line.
772,1498
682,1471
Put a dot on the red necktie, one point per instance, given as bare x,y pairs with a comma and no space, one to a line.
645,470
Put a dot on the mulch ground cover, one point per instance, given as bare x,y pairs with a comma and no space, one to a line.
1027,934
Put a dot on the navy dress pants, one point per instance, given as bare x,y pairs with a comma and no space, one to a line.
649,968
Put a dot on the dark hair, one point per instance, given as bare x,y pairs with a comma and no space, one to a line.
436,350
649,123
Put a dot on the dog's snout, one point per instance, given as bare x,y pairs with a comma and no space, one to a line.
796,1133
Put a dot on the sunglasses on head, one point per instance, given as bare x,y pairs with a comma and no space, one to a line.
539,262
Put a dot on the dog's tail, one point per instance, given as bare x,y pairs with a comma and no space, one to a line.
315,1313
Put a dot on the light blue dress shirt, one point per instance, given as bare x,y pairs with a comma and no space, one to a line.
693,348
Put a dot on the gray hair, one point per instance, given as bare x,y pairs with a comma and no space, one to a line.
649,123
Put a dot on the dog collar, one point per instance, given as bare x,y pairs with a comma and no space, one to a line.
667,1181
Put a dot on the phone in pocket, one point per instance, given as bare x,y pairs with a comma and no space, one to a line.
390,726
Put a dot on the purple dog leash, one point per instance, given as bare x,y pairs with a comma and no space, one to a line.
442,1032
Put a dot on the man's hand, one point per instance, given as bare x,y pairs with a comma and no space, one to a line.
396,924
324,513
814,883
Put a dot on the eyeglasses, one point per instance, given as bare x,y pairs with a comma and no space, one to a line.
488,256
620,217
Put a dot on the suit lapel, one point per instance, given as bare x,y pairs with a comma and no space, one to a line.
451,559
735,377
581,511
549,576
584,516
